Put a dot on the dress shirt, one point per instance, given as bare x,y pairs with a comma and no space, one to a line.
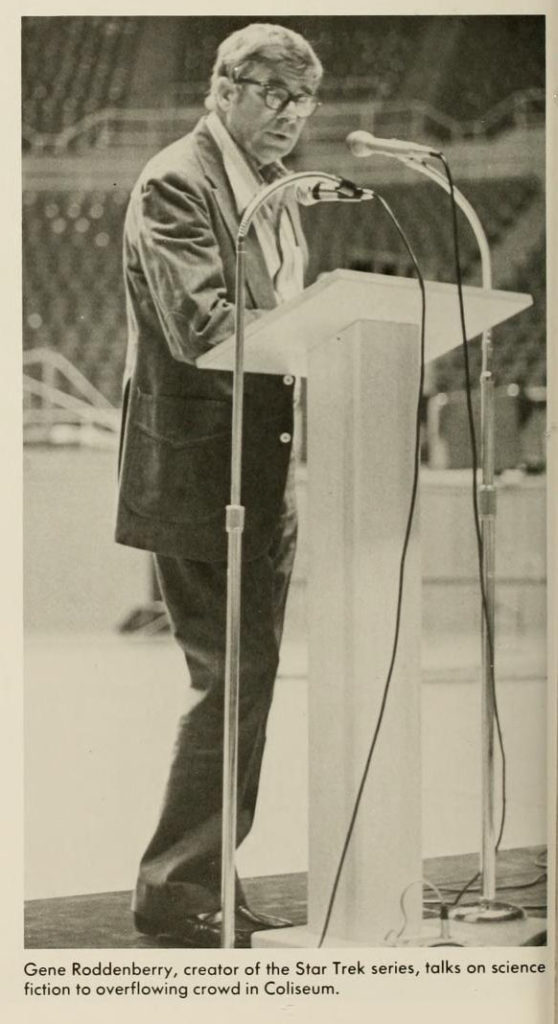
272,222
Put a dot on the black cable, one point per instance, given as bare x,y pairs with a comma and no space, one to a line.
412,504
468,885
539,862
484,601
451,889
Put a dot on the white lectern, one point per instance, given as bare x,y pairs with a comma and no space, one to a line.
356,337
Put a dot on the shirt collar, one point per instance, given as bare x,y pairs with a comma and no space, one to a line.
244,179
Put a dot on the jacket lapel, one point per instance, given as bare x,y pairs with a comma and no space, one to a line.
258,281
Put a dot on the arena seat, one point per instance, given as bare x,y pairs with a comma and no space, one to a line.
344,235
73,292
364,56
519,345
73,66
492,58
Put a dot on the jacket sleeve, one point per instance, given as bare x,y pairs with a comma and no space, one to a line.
183,267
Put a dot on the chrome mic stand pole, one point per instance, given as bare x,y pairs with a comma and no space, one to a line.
487,909
235,528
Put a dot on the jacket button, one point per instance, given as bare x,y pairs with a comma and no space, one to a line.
288,379
285,438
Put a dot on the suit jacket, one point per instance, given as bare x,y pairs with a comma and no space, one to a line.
179,268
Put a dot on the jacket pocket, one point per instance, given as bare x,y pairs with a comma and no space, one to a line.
177,462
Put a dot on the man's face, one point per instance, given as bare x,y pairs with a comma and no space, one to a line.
265,135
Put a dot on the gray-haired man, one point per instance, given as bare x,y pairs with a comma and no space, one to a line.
179,257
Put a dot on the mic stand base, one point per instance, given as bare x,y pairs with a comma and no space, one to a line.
490,911
483,934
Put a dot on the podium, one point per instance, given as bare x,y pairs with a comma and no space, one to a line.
355,336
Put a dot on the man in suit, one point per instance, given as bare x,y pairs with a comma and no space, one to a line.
179,264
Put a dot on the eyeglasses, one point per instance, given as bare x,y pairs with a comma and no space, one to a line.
278,97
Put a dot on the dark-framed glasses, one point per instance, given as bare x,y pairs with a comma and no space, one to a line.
278,97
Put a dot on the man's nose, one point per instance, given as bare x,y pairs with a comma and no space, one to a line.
289,112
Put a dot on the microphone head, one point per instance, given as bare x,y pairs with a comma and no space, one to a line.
360,143
364,144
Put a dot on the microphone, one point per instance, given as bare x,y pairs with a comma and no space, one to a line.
320,191
363,143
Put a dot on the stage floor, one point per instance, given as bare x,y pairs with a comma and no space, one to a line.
100,719
104,921
121,697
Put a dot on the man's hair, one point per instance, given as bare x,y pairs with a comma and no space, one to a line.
261,42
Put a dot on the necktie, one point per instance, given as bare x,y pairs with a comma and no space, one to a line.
288,279
275,203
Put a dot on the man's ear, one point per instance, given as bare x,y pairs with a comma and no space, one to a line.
224,93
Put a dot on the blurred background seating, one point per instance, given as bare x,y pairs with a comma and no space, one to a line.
100,94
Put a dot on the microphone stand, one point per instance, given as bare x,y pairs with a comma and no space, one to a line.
235,527
488,909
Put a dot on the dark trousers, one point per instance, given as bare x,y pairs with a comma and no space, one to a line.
180,872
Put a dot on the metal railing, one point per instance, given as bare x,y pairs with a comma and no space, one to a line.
53,415
114,127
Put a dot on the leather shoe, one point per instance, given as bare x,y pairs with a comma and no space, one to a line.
197,931
203,931
256,920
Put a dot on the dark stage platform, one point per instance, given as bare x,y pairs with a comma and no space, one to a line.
104,920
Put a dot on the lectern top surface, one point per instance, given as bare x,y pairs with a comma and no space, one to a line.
279,342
